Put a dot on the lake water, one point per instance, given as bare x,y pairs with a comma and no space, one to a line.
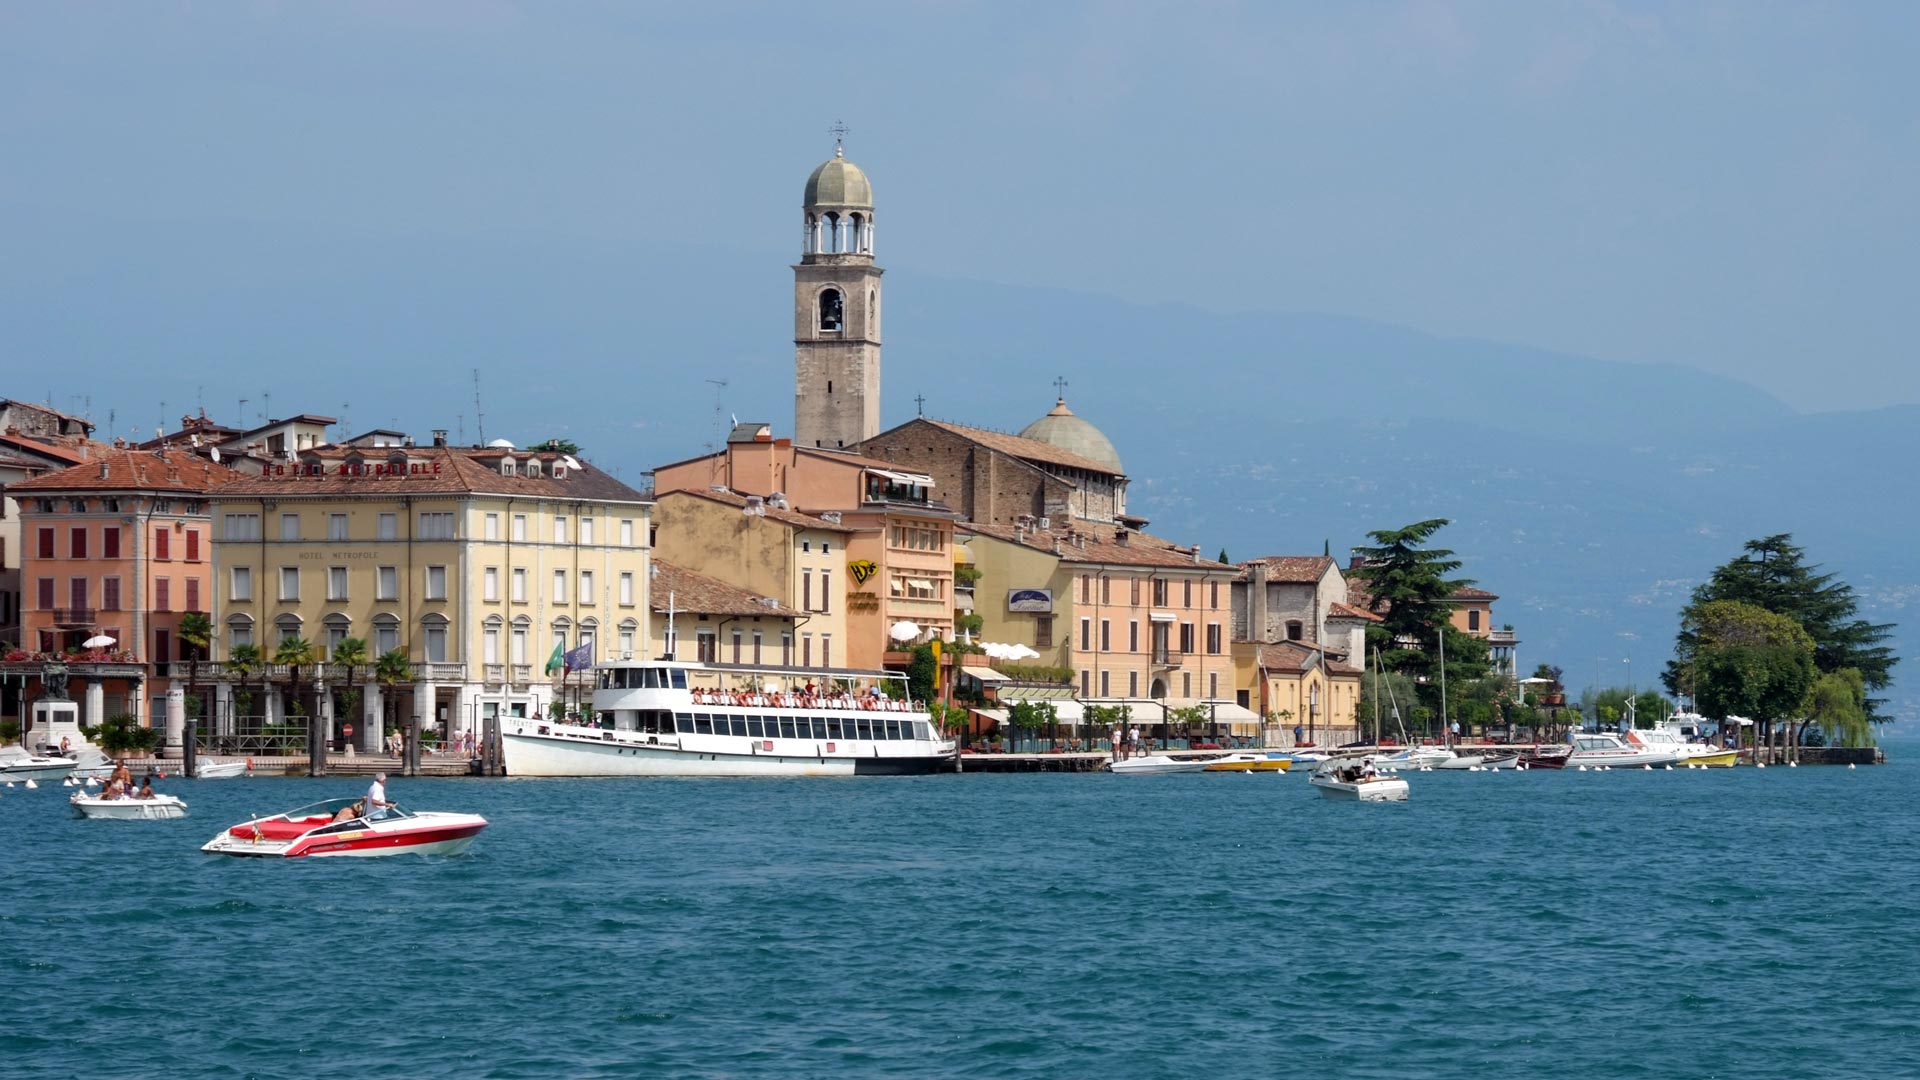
1738,923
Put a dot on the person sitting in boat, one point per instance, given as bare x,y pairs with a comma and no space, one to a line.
146,788
1367,771
349,811
115,789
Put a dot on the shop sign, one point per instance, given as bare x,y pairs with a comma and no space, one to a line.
1040,600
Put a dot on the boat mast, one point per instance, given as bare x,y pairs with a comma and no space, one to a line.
1446,739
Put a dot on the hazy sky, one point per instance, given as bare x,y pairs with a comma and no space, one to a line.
1727,185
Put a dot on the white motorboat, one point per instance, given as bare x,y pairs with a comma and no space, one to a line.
668,718
127,807
17,764
1359,781
321,830
1415,759
1305,760
221,770
1153,764
1602,749
1675,735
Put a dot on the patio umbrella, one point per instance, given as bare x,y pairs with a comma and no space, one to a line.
98,641
905,631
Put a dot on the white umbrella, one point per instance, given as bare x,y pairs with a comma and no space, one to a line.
98,641
1022,652
905,631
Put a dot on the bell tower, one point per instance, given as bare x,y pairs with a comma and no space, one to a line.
836,310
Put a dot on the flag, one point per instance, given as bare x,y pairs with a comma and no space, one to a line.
578,659
559,658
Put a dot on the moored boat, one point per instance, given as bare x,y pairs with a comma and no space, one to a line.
1667,737
17,764
1249,763
1357,781
676,718
221,770
128,807
1603,749
1154,764
1415,759
322,830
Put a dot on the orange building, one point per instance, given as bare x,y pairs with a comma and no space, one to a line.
900,542
116,548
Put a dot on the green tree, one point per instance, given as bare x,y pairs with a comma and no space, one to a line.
1032,716
122,734
242,662
1408,587
350,653
195,631
555,446
9,732
296,653
921,671
391,669
1772,574
1223,557
1748,661
1390,690
1187,717
1838,704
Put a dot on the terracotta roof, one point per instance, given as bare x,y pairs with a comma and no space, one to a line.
1300,656
1021,447
857,459
1342,611
1302,569
789,517
462,470
698,594
1098,545
54,450
1468,592
135,470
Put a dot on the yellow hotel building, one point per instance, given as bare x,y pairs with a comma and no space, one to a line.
474,562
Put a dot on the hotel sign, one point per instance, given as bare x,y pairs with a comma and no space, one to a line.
1040,600
380,469
862,569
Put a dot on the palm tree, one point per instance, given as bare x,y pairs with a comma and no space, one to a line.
196,633
242,662
350,653
295,653
391,669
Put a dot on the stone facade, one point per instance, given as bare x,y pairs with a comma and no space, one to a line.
1286,598
994,478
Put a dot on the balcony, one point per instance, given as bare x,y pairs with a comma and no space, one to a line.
74,616
522,674
1503,639
495,674
1168,658
429,671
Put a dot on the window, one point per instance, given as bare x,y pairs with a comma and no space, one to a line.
806,650
626,532
386,583
239,631
1186,639
738,637
627,630
110,542
826,650
336,633
626,589
241,526
1186,684
1086,683
162,594
386,634
560,529
586,587
1106,684
1473,619
289,526
289,583
193,545
78,506
336,526
436,526
110,594
77,592
490,583
434,631
586,530
832,311
288,626
1106,590
46,544
826,591
492,527
520,626
193,594
1159,592
44,599
1106,636
786,649
490,641
806,590
826,547
1133,635
1213,684
1294,630
242,583
162,647
1186,594
519,528
388,527
77,546
1086,635
1213,600
1133,684
336,583
1043,632
162,543
1086,589
1213,639
519,585
436,583
756,646
559,586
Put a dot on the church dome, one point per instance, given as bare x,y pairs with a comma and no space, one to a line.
1063,429
839,183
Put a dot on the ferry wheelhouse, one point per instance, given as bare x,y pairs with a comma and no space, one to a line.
676,718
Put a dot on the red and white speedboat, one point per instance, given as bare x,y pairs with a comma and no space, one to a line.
312,831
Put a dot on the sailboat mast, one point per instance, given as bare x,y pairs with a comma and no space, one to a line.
1446,738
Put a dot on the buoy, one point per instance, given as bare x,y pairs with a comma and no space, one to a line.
1647,768
31,784
1793,764
93,781
1669,768
1850,766
9,783
1759,764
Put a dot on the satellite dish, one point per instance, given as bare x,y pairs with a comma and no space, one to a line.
216,455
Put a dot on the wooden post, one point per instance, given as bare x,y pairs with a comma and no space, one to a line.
189,748
410,752
316,745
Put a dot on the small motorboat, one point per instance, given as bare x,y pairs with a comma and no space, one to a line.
127,807
1359,781
314,831
1154,764
1416,759
17,764
221,770
1306,760
1249,763
1596,749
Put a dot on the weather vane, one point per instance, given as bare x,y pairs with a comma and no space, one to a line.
839,133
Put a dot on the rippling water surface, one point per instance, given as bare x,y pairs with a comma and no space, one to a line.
1687,924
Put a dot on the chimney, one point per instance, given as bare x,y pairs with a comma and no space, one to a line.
1120,537
439,436
1196,553
103,470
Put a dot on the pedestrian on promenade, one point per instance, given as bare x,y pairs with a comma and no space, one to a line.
1133,740
376,801
1296,734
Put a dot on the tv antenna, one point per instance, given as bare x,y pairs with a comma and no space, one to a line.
479,418
718,445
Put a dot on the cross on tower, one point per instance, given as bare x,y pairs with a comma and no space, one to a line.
920,404
1060,386
839,133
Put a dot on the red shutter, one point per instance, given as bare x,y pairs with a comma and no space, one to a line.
162,598
161,543
193,547
193,592
110,542
77,543
46,544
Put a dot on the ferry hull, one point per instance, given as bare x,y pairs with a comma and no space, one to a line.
545,755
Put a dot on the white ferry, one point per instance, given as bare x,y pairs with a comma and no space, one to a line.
668,718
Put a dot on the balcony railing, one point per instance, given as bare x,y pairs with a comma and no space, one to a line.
74,616
1503,637
495,674
1168,658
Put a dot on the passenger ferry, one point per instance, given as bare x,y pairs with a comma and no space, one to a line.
676,718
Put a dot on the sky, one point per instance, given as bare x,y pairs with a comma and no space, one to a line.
1722,185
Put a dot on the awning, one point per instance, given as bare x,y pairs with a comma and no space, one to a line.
1162,616
984,674
998,716
1222,711
903,478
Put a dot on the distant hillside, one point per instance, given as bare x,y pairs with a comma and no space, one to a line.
1590,495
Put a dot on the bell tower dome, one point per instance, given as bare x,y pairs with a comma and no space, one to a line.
836,310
